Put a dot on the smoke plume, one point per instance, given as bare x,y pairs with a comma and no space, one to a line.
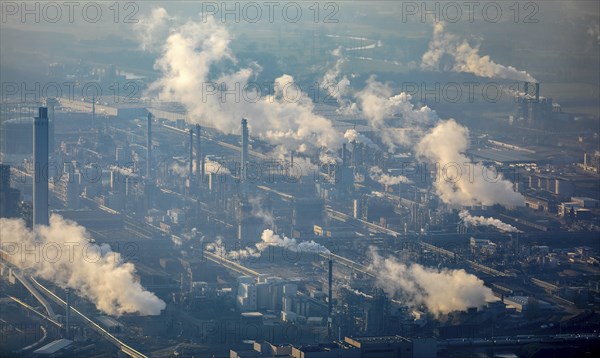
259,211
338,88
352,135
378,103
379,176
187,56
441,291
445,146
66,257
452,53
268,238
469,220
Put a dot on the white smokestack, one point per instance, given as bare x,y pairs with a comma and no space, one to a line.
66,257
244,151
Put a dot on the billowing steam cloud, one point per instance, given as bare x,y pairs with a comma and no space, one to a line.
284,117
259,211
466,217
268,238
153,29
379,176
400,123
66,257
445,146
352,135
441,291
179,169
337,87
378,104
461,57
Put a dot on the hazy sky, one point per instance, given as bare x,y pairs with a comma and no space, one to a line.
555,41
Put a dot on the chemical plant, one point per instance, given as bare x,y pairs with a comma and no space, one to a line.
185,223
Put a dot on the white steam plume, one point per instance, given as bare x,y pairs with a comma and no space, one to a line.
378,104
179,169
268,238
153,28
468,219
379,176
465,58
337,87
352,135
283,118
441,291
445,146
329,158
71,261
259,212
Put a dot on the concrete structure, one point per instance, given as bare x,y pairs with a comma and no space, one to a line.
522,303
110,324
191,159
199,160
149,147
53,348
244,158
40,160
9,197
393,346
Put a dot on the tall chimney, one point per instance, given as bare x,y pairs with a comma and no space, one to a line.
526,88
191,172
198,154
68,314
537,92
40,160
344,154
149,147
329,298
244,158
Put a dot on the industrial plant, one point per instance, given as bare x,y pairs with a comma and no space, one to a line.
242,201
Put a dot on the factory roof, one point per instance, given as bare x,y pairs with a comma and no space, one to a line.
252,314
108,322
359,341
53,347
503,155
